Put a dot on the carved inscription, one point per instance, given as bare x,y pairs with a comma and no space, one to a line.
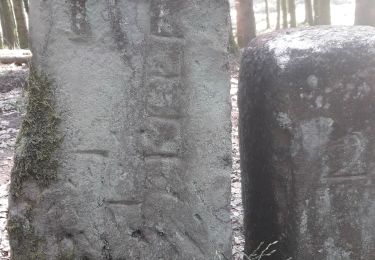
161,133
346,156
163,19
161,173
161,138
164,58
346,159
79,21
163,97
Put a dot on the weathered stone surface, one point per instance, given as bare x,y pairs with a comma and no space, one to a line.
306,100
142,92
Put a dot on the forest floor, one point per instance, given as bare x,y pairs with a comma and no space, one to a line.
12,81
238,240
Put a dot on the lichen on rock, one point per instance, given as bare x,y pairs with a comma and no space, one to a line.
22,237
38,138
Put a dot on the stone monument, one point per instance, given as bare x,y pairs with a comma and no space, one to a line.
125,148
307,104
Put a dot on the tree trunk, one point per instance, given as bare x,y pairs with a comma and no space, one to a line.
246,28
21,19
322,10
232,44
267,14
284,8
309,19
278,14
365,12
292,13
8,23
26,3
1,36
316,10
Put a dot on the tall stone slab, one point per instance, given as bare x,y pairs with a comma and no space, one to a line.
125,150
307,103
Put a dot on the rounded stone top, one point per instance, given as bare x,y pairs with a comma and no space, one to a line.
284,45
317,37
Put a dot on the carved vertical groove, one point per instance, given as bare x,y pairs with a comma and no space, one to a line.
161,137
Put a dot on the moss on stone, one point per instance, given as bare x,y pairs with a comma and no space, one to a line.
66,256
22,238
38,138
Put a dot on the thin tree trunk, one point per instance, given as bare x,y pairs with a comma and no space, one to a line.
267,14
278,14
365,12
21,19
26,3
292,13
322,12
316,11
309,19
246,28
8,23
285,13
1,37
232,45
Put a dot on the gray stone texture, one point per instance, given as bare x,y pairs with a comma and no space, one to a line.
307,104
142,90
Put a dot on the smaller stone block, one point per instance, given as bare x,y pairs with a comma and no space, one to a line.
306,102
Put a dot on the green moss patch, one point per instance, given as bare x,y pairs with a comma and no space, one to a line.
38,138
66,256
23,239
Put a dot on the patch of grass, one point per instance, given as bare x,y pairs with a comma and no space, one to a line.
38,138
263,252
